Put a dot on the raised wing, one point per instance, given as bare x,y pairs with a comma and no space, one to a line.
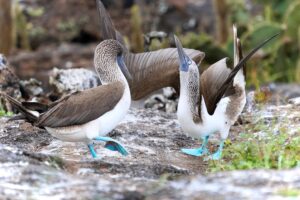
82,107
227,83
107,29
211,80
155,70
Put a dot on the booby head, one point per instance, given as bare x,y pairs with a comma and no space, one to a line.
109,61
184,59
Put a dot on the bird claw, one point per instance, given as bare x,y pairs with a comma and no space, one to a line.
195,152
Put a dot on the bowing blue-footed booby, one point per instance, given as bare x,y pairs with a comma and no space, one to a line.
213,101
150,71
88,115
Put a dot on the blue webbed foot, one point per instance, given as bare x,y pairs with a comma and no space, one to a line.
195,152
92,150
200,151
217,155
113,145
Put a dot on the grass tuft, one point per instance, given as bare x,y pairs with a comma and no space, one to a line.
266,150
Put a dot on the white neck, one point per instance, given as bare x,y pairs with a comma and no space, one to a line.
189,91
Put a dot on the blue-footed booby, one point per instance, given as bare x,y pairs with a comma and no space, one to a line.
150,71
213,101
88,115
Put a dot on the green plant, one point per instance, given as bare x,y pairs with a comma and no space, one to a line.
280,58
21,36
137,33
204,42
4,113
262,151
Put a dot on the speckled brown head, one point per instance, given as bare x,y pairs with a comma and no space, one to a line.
109,61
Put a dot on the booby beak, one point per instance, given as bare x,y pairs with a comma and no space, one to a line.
184,60
124,69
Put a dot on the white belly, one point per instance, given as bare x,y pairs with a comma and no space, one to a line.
210,123
98,127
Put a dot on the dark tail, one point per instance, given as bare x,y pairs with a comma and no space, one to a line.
235,70
240,54
18,105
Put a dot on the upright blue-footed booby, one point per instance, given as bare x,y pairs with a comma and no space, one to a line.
150,71
88,115
213,101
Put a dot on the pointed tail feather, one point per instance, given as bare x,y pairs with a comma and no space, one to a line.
237,50
241,64
18,105
240,55
235,46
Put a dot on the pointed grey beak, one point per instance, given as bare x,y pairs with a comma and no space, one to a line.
184,60
124,69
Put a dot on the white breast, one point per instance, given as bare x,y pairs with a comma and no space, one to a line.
209,124
98,127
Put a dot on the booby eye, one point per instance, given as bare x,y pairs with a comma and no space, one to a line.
189,62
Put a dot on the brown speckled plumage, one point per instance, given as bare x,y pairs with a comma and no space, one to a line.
235,103
105,60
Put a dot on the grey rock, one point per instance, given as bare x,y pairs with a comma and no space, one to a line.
65,81
259,184
295,100
34,165
33,87
9,83
161,102
283,92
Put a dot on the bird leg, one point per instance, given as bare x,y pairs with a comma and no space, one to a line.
218,154
199,151
92,150
113,145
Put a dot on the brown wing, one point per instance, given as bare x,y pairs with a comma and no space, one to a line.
211,81
107,29
155,70
227,84
82,107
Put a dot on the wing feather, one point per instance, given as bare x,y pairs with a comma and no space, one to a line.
82,107
155,70
215,97
107,29
211,80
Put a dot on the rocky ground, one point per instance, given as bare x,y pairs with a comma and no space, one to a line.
34,165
